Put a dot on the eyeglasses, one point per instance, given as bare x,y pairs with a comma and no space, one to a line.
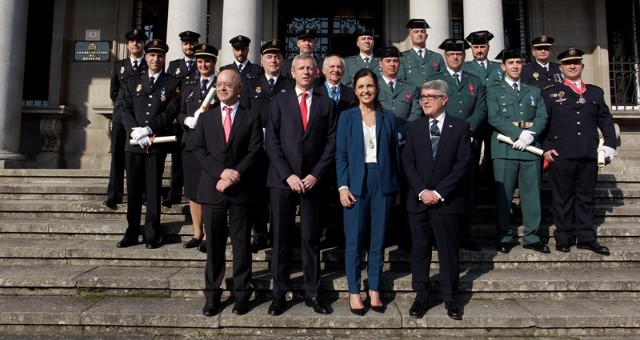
431,97
454,54
227,85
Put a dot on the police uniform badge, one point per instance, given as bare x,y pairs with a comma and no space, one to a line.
258,89
121,69
536,75
139,88
177,71
163,97
581,100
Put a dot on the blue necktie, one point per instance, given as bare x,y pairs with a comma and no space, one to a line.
435,137
203,90
189,64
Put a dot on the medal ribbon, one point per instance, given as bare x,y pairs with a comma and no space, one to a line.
579,90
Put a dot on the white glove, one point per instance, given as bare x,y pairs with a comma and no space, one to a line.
144,142
519,145
191,122
609,153
526,136
139,132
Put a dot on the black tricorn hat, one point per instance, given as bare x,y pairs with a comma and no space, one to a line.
454,45
388,52
479,37
504,55
366,31
417,23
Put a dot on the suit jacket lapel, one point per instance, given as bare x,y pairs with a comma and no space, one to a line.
444,136
236,123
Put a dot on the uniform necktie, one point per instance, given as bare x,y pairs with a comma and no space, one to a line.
483,64
303,109
227,123
366,61
420,53
457,76
239,67
189,64
135,65
271,83
151,81
203,90
391,85
515,88
435,137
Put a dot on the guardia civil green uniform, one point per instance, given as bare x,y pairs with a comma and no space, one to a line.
509,113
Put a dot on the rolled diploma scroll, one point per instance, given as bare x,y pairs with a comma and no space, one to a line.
161,139
208,100
601,161
529,148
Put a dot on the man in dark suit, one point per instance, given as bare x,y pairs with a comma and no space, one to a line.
183,68
364,59
435,199
305,41
576,112
122,70
240,48
256,95
227,141
300,142
541,72
150,104
467,101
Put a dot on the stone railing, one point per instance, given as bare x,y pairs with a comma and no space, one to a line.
51,120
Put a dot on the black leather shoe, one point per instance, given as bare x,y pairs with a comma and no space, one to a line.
471,245
277,306
211,308
111,204
418,308
505,247
202,247
258,245
192,243
537,246
127,242
171,200
317,306
240,308
453,310
563,246
152,244
594,247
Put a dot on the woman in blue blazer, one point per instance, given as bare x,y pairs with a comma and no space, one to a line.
367,167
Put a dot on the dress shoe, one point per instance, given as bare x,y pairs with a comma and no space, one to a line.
277,306
505,247
127,242
453,310
594,247
240,308
211,308
563,246
379,309
317,306
470,245
356,311
193,242
111,204
171,200
418,308
537,246
152,244
258,245
202,247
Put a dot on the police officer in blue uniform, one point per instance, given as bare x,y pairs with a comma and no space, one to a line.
240,45
122,70
576,112
150,104
541,72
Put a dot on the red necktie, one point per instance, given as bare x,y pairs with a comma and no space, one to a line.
303,109
227,123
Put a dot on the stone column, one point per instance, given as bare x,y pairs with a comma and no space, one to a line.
241,17
485,15
437,15
184,15
13,32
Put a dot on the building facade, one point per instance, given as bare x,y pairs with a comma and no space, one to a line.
58,54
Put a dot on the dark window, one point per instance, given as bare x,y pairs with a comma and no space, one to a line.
151,16
622,29
516,35
36,74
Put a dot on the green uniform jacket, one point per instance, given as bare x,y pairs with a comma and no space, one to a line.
353,64
505,107
467,100
491,75
416,70
404,102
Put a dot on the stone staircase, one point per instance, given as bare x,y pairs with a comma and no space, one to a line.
61,273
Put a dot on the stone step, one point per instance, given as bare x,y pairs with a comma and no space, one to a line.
565,283
182,316
104,253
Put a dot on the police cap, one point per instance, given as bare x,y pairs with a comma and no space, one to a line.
156,45
505,55
272,46
307,33
239,41
388,52
454,45
136,34
479,37
203,50
417,23
570,54
542,40
189,36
